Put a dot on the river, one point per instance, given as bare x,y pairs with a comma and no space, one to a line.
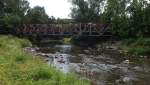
102,64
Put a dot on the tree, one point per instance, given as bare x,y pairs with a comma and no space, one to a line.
126,17
18,7
136,10
51,19
146,20
1,8
12,14
115,14
11,22
86,10
37,15
1,12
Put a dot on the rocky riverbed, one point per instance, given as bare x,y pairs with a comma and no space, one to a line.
101,65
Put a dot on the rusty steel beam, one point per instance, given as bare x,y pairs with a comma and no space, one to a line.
63,29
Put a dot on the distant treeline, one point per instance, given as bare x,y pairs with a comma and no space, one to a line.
15,13
127,18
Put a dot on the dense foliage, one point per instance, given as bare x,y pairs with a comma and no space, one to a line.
37,15
15,13
86,10
127,18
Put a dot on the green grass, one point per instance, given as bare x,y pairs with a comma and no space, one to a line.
20,68
139,46
139,51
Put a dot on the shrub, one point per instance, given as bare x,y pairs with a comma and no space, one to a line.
142,42
25,43
20,58
41,74
11,20
129,41
139,51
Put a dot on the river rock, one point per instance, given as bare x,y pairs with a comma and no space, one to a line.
87,51
126,62
137,68
126,79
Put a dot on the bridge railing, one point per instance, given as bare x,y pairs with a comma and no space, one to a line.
88,29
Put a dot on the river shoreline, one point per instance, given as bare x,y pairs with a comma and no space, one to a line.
103,65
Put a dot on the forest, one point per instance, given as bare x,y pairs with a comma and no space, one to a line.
127,18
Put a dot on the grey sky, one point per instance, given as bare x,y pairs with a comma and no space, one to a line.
56,8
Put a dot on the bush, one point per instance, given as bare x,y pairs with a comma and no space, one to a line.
129,41
11,20
20,58
138,42
140,46
24,43
142,42
139,51
41,74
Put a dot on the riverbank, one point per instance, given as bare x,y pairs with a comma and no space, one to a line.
139,47
102,63
20,68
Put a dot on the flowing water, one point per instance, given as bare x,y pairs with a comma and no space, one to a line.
102,66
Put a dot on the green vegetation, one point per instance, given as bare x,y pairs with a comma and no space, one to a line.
19,68
127,19
140,46
139,50
86,10
67,40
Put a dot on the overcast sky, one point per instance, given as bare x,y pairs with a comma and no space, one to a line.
56,8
